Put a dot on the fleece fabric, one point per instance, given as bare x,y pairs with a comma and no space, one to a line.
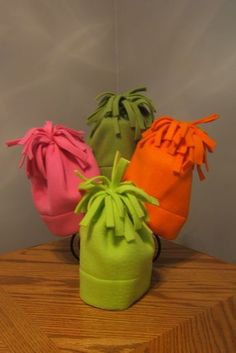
116,246
117,125
51,155
163,164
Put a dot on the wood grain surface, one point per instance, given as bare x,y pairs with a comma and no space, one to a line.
190,308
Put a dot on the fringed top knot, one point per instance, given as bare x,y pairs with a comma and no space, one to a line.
132,106
184,140
37,140
121,202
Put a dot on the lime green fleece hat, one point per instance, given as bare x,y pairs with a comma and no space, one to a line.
116,245
117,125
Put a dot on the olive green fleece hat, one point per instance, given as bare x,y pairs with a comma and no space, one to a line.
117,125
116,245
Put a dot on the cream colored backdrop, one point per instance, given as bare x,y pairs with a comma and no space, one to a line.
55,56
185,52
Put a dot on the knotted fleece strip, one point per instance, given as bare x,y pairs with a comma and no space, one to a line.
36,141
132,106
184,140
121,201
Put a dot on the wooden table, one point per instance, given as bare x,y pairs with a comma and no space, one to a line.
191,306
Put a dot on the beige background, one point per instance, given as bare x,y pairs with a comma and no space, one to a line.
56,55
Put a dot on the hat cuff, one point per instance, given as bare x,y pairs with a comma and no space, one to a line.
112,294
165,223
62,225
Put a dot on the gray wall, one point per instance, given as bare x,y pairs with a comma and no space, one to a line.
55,56
184,51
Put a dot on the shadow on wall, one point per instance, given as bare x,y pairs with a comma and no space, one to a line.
57,56
184,52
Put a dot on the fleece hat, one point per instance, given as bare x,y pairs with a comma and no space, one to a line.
51,155
116,246
117,125
163,164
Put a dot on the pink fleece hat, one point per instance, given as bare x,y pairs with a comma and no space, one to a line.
51,155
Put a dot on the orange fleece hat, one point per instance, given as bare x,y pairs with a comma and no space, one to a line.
162,165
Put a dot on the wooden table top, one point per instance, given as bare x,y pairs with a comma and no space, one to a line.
191,306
